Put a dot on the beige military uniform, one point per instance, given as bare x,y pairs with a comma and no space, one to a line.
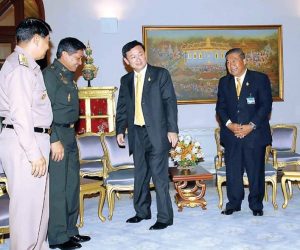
24,103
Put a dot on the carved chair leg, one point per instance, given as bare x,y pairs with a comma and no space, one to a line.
220,193
101,203
290,190
80,210
274,192
266,191
110,201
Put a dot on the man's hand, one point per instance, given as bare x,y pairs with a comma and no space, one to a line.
173,138
57,151
121,140
240,131
38,167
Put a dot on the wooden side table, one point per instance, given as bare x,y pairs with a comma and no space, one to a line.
290,173
190,196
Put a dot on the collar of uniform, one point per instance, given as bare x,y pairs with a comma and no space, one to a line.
62,69
31,62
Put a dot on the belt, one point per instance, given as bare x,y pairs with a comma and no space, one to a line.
65,125
36,129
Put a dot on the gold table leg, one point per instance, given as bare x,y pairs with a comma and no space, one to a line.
283,186
190,197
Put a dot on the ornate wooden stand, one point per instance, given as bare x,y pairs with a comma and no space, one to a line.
190,196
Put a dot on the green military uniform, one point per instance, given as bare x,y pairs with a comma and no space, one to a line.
64,175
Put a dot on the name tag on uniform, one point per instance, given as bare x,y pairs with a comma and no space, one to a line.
250,100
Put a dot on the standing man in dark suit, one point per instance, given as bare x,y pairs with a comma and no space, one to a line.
147,107
244,106
64,162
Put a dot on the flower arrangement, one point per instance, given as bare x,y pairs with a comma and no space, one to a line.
187,152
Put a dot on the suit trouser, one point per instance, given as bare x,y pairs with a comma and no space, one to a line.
64,190
149,163
29,195
240,157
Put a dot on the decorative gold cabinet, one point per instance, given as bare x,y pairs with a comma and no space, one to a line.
97,110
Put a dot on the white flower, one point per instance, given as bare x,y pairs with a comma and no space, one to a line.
197,144
195,150
188,157
177,158
187,140
178,149
180,138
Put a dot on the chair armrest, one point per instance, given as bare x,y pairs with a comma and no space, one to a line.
219,159
274,154
105,167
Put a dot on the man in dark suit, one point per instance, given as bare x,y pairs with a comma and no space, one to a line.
147,107
243,107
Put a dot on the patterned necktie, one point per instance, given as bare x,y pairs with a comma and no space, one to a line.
138,115
238,87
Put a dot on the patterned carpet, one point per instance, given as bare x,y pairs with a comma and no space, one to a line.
195,228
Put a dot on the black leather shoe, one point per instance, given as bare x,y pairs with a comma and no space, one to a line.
80,238
67,245
230,211
136,219
159,225
258,212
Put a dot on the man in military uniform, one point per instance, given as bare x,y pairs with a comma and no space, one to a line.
24,139
64,162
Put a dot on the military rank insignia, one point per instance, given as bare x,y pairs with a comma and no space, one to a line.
23,60
75,84
63,79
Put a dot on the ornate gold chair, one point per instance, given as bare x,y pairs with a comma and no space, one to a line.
270,172
4,204
118,169
91,157
284,138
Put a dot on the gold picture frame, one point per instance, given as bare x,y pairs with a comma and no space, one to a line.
195,56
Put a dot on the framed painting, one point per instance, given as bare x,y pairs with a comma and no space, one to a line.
195,56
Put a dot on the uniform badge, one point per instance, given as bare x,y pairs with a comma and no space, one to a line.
149,79
69,97
44,95
63,79
247,84
75,84
23,60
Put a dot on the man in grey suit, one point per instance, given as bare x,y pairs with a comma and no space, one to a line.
147,107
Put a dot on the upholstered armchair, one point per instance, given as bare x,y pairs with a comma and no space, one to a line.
91,157
118,169
284,138
4,204
270,172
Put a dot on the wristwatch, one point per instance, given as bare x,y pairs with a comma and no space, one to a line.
252,125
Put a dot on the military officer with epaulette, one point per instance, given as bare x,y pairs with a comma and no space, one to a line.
24,139
64,162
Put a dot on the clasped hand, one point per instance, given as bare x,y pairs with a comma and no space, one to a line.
240,131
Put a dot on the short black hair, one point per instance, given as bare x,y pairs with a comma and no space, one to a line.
69,45
31,26
236,50
130,45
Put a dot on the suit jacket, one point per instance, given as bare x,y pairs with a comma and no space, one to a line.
245,109
159,107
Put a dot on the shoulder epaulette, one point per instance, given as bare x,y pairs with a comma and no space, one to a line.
23,60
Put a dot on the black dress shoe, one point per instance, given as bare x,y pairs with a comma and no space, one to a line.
80,238
136,219
230,211
258,212
159,225
67,245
